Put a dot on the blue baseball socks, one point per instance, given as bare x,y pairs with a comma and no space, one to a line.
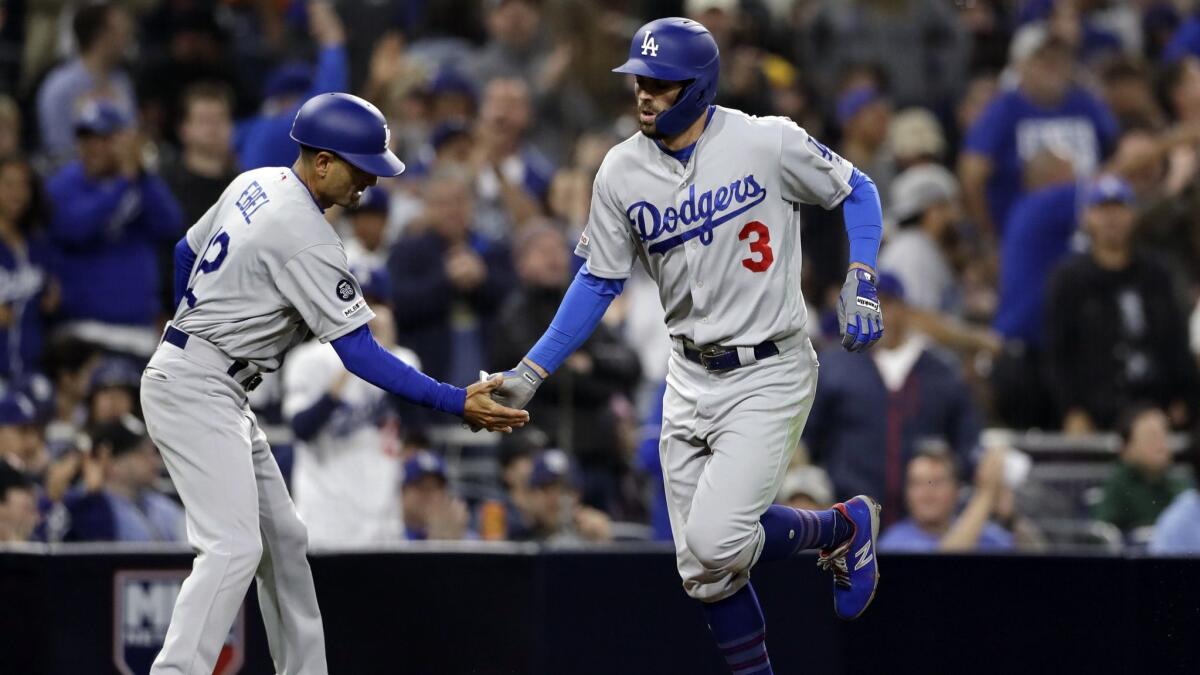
788,531
738,627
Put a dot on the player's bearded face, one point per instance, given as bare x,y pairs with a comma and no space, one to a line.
653,97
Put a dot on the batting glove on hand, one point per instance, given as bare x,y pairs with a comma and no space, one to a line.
520,384
859,317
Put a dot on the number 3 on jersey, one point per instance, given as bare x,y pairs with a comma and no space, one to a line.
761,246
210,262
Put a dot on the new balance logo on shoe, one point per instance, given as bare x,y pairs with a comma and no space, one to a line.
863,556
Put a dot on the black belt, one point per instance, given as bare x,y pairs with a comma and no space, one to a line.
179,338
726,358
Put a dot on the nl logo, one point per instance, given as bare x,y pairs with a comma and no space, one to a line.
142,605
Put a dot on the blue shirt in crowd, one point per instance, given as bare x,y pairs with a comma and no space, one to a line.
24,277
266,140
1013,129
1036,238
104,516
906,536
108,234
1177,531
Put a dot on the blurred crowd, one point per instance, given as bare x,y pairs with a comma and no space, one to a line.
1038,163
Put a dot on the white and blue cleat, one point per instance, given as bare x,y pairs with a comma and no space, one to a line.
853,564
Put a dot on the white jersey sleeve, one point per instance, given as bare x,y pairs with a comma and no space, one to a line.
607,242
201,230
811,173
317,282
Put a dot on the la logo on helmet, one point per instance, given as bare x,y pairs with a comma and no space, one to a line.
649,46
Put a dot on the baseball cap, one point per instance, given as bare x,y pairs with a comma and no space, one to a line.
1109,189
854,100
451,81
373,200
694,7
888,284
811,481
446,132
920,187
100,118
916,132
423,464
115,371
550,467
16,410
289,79
121,436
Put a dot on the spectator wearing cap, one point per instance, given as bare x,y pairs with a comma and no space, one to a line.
69,365
915,138
28,291
925,203
1036,238
1115,330
1177,530
864,114
806,487
367,247
104,33
1047,110
118,499
1141,484
347,432
448,283
264,140
934,523
20,439
453,98
110,219
431,511
113,390
19,516
892,399
555,514
580,408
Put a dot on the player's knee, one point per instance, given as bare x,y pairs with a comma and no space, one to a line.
716,548
243,550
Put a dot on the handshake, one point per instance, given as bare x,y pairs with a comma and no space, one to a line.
496,401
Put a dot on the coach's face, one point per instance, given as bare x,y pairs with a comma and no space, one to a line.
339,182
653,97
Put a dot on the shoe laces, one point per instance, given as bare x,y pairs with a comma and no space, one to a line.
834,560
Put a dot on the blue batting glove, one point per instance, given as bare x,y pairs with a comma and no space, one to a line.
859,317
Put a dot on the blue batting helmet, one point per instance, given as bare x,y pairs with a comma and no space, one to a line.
349,127
679,50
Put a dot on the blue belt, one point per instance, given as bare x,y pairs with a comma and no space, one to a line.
726,358
179,338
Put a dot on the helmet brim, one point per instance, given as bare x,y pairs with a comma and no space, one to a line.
383,164
658,71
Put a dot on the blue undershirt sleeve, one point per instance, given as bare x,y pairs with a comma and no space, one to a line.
580,312
864,219
366,358
185,258
307,423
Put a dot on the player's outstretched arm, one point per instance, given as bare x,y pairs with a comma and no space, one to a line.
366,358
580,312
859,316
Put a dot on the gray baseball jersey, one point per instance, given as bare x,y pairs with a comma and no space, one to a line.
269,270
720,234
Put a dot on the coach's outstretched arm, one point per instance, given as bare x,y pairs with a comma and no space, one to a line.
366,358
859,318
583,306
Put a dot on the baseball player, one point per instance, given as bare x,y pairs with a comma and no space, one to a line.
254,276
706,198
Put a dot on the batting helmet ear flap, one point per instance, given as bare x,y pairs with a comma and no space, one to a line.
677,50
